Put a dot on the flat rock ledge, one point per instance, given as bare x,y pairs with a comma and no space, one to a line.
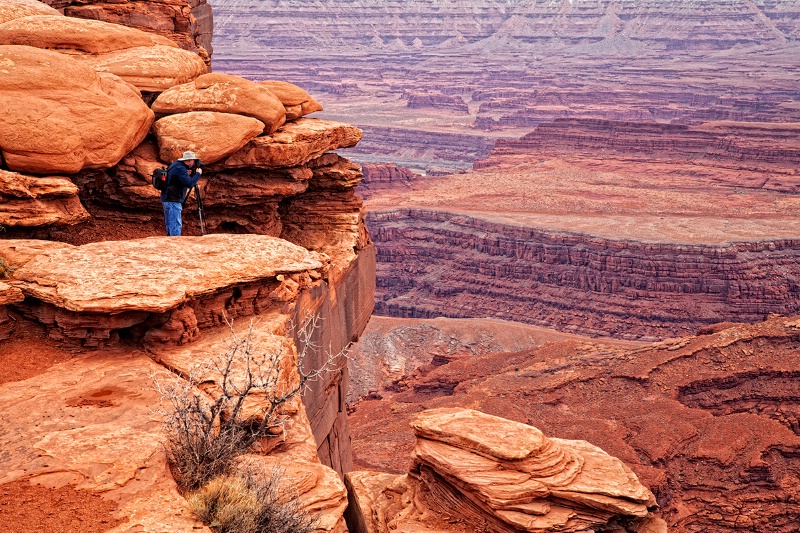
293,144
501,475
161,288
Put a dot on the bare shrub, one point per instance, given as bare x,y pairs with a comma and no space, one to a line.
250,502
246,391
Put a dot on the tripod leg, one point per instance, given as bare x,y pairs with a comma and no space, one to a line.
200,210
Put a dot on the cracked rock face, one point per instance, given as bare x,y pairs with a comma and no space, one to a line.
496,473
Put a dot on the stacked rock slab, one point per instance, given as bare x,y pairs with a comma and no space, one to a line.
189,23
472,470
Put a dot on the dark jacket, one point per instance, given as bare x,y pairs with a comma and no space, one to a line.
178,180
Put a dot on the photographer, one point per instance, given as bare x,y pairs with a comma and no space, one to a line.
182,175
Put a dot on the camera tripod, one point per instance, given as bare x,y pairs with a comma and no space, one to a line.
199,207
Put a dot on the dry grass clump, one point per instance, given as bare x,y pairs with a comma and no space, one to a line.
209,427
249,503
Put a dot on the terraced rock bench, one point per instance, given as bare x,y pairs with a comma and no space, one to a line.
160,289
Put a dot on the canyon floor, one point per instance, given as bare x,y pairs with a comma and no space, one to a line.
708,422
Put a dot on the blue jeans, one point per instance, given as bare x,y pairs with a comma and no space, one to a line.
173,217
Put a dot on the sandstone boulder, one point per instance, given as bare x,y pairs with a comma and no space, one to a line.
59,116
76,34
14,9
225,94
295,100
30,202
157,273
212,136
503,475
150,68
295,143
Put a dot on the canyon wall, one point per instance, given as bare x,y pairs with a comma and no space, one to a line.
413,69
459,265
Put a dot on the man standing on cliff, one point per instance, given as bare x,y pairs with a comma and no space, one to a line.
182,175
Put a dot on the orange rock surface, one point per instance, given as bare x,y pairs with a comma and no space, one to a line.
32,201
501,475
78,116
225,94
210,135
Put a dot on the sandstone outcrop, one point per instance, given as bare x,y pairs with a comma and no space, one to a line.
80,296
225,94
14,9
709,423
210,135
494,473
137,302
295,100
189,23
79,35
78,117
150,68
149,62
294,144
31,201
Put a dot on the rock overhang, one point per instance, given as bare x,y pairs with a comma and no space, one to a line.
157,274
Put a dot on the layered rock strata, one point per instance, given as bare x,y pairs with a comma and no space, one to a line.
750,154
681,62
466,266
35,201
500,475
707,422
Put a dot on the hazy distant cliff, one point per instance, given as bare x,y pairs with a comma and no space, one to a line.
499,68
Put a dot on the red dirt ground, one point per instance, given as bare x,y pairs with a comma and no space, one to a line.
29,507
33,508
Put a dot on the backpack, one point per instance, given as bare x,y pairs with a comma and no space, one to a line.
160,178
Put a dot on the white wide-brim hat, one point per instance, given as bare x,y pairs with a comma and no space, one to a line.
187,156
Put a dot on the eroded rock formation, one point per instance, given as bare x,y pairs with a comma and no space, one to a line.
707,422
471,470
189,23
136,309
